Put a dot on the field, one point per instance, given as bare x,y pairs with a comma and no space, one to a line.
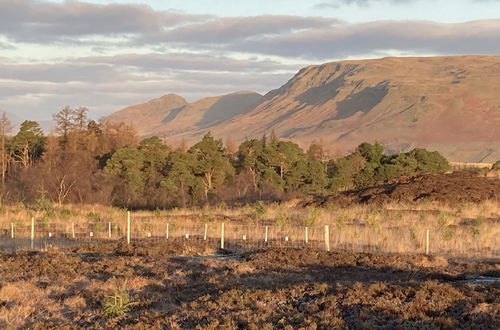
275,288
82,273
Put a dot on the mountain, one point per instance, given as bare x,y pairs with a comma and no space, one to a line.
449,104
150,114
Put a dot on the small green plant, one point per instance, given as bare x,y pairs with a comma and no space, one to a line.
372,219
442,220
282,220
413,235
64,214
157,213
45,220
444,225
340,221
45,205
222,206
448,233
259,210
93,217
98,227
117,304
20,207
312,216
147,227
476,223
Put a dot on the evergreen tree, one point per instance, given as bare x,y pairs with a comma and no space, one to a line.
28,144
211,164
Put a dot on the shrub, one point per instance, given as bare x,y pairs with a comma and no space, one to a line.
496,166
259,211
340,221
44,204
117,304
476,223
312,216
282,219
93,216
64,214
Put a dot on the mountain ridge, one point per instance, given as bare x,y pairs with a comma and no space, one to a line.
449,104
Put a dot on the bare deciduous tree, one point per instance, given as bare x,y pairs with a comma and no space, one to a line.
5,128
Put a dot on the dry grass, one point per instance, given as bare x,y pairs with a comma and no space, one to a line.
468,229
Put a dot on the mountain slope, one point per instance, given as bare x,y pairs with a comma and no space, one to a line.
148,115
449,104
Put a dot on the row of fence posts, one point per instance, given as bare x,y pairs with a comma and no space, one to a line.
222,245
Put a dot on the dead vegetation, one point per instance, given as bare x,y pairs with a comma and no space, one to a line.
277,288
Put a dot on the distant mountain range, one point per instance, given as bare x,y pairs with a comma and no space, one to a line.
448,104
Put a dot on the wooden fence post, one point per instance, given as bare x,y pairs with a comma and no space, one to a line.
128,227
205,234
222,236
32,231
265,237
307,235
427,242
109,229
73,230
168,229
327,238
12,230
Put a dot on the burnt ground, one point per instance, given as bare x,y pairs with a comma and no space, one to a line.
276,288
452,188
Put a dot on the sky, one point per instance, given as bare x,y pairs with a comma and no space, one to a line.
106,55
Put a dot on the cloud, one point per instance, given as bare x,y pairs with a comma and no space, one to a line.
62,72
340,3
415,37
35,21
108,83
160,62
228,29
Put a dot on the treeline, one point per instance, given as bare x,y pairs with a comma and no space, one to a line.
90,162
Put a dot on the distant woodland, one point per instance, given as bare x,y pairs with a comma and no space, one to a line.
105,163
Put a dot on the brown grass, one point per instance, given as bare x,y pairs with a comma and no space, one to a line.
468,229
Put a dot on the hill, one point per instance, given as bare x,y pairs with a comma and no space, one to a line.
448,104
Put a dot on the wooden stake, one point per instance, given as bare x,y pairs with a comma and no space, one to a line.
222,236
307,235
168,227
265,237
73,230
11,230
128,227
109,229
32,232
427,242
327,238
205,235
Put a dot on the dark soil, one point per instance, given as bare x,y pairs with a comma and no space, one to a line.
453,188
277,288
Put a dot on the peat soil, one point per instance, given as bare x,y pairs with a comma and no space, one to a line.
451,188
267,289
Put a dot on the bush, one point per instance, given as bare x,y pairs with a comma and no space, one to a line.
117,304
93,217
44,204
64,214
312,216
496,166
259,211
